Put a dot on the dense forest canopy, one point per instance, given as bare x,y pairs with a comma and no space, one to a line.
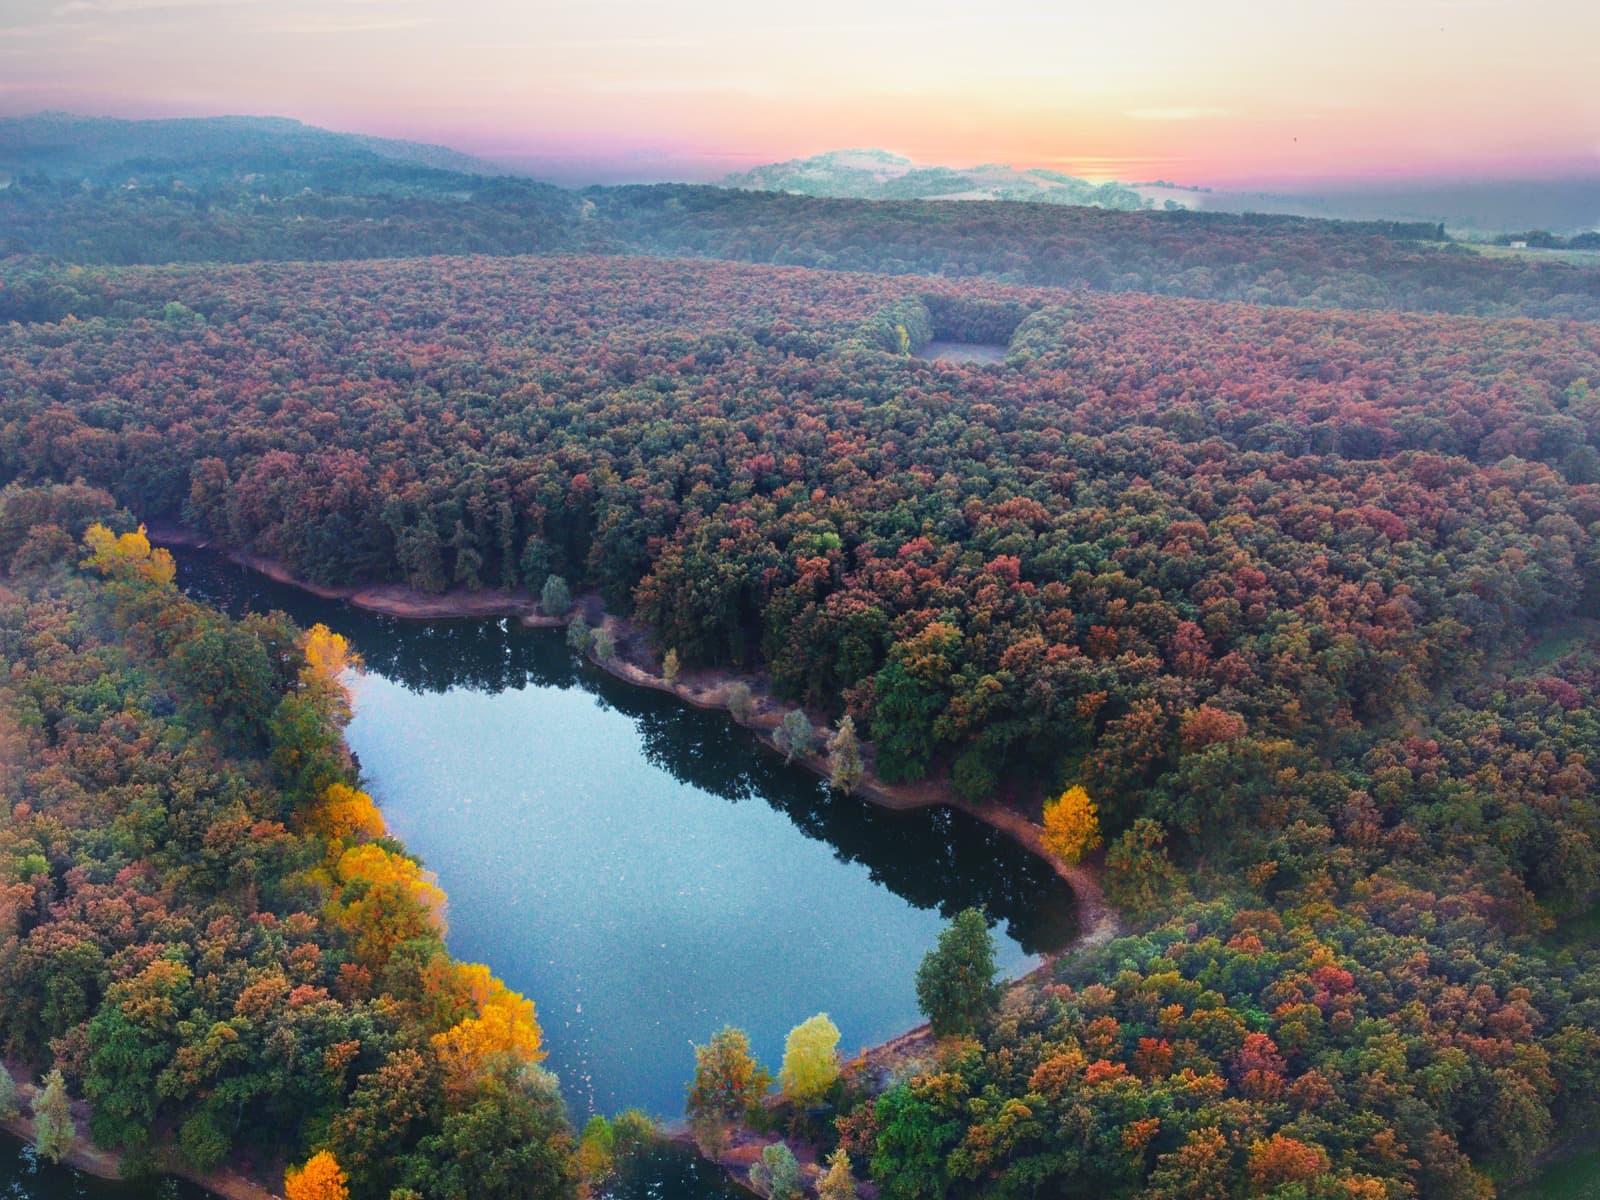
202,922
1156,507
1278,539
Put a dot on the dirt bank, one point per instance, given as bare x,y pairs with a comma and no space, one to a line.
635,662
85,1156
389,599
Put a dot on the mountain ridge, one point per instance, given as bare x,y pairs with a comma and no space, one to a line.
67,145
876,174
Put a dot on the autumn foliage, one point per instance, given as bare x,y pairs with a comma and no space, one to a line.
320,1178
1287,567
502,1024
1071,825
129,555
233,920
344,814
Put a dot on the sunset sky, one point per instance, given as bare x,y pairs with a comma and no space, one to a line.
1218,92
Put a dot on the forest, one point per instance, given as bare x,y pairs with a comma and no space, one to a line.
204,928
1159,515
1279,538
316,202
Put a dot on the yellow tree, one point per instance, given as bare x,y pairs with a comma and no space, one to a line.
321,1178
810,1060
345,814
328,657
385,899
127,557
1071,825
503,1025
837,1183
328,654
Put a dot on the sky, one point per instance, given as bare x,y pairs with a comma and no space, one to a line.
1219,92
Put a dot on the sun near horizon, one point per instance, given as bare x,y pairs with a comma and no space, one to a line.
1221,93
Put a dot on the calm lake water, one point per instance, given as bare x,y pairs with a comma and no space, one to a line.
940,350
665,1173
25,1176
642,869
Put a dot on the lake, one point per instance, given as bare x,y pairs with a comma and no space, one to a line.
644,870
941,350
25,1176
667,1172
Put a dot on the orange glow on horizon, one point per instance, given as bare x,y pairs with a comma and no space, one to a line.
1232,92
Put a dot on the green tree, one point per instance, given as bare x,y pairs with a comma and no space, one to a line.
8,1095
579,635
670,667
509,1141
956,987
810,1060
605,646
728,1084
54,1134
307,752
555,598
633,1131
1140,878
203,1141
793,735
845,769
597,1150
903,714
911,1148
777,1173
741,703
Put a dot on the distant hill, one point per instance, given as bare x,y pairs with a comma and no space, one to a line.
240,189
112,150
880,175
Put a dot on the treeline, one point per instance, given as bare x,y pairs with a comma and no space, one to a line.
326,206
1216,256
203,924
339,211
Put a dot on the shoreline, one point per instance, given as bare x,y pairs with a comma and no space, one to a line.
709,690
703,689
385,599
88,1158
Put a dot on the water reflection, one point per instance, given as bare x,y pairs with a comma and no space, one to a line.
26,1176
934,859
671,1172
